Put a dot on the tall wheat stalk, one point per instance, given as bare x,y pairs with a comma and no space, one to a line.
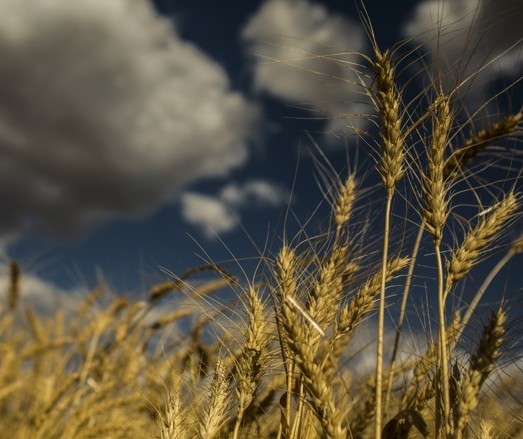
435,216
388,104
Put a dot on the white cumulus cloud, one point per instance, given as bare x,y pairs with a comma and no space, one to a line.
289,40
209,213
105,111
219,214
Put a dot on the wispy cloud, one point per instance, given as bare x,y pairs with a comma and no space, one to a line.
302,53
218,214
259,193
105,111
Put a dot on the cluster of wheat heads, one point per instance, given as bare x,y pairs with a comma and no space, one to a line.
279,362
289,375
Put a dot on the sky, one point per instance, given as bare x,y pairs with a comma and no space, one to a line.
142,136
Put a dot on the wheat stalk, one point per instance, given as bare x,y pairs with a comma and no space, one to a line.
172,425
344,203
388,104
481,365
251,364
435,215
467,255
303,355
360,305
215,412
478,142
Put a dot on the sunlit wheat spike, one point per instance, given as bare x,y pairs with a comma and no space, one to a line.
296,336
319,388
478,142
327,287
252,362
172,423
388,104
435,211
286,271
485,430
345,202
363,301
466,256
215,412
481,365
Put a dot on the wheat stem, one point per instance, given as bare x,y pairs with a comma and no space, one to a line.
443,387
381,318
403,310
435,216
391,167
471,307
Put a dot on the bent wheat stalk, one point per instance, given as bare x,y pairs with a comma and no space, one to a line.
515,249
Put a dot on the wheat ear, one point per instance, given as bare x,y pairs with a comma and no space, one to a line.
215,413
344,204
172,423
478,142
435,216
481,365
467,255
251,364
295,335
360,305
515,249
388,104
387,100
327,287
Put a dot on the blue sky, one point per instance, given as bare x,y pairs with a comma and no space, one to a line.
136,135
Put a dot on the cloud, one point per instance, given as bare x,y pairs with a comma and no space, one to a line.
466,35
254,192
289,40
208,213
219,214
105,111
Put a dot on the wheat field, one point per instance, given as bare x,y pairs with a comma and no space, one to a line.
274,355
